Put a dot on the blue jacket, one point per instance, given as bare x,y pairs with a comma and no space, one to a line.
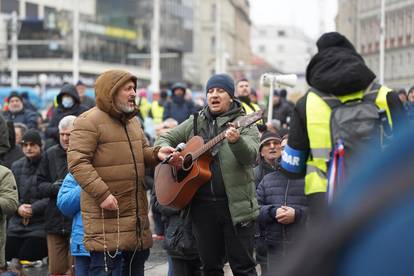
68,201
276,190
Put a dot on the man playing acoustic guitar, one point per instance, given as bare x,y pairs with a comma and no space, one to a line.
224,208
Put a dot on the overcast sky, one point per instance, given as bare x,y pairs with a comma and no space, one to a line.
302,13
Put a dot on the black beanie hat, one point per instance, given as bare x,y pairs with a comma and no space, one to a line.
14,94
334,39
222,81
32,136
267,136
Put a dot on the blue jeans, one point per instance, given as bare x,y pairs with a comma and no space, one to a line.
82,265
120,265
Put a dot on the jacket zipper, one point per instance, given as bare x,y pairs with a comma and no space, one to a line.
284,232
139,230
211,182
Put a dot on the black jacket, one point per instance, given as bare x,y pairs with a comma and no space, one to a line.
263,168
178,108
282,111
52,130
274,191
24,171
173,241
51,172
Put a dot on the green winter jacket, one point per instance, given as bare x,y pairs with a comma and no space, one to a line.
236,161
8,205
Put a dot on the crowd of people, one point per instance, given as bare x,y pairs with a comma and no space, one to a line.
74,186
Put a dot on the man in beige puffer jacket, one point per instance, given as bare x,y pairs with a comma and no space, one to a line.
107,155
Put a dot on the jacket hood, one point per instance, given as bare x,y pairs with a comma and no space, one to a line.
105,88
337,68
68,89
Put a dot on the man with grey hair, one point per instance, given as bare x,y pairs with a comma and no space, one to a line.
52,170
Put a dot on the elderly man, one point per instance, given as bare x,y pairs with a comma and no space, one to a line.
26,236
18,114
107,155
52,171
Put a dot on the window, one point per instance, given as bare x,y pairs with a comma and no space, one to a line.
8,6
31,10
281,33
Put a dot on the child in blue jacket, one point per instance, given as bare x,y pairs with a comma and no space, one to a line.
68,202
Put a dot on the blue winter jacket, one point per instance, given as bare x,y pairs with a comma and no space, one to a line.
276,190
68,202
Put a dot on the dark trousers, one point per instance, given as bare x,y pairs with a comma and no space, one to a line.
30,248
186,267
82,266
127,263
274,260
217,239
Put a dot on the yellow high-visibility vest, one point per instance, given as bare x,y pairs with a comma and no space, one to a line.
157,111
318,115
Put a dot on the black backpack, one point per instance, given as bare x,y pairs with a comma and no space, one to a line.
357,122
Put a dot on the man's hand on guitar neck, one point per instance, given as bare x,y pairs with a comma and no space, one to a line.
232,134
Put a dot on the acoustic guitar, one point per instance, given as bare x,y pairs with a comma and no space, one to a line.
176,186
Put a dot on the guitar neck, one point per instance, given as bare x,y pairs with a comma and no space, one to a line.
209,145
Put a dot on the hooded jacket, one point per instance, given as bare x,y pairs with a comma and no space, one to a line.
107,154
52,130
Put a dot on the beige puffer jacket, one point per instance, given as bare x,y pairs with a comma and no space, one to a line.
107,155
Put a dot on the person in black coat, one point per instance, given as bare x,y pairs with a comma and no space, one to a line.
281,109
52,171
68,104
283,213
26,236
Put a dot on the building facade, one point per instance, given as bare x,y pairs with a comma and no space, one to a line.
399,37
286,48
221,39
45,39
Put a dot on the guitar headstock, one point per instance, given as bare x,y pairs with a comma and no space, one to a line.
248,119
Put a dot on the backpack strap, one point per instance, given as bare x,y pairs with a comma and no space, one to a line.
331,100
371,93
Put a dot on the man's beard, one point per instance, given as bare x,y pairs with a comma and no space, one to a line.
125,108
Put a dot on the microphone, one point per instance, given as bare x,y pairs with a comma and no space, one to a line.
180,147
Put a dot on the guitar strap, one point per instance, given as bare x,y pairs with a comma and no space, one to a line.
195,126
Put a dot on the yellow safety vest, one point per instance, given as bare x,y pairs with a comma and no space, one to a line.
157,111
249,110
144,107
318,115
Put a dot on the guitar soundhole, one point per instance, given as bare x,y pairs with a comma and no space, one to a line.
188,162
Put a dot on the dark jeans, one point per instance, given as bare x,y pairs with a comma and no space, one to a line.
186,267
30,249
82,266
217,238
125,264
